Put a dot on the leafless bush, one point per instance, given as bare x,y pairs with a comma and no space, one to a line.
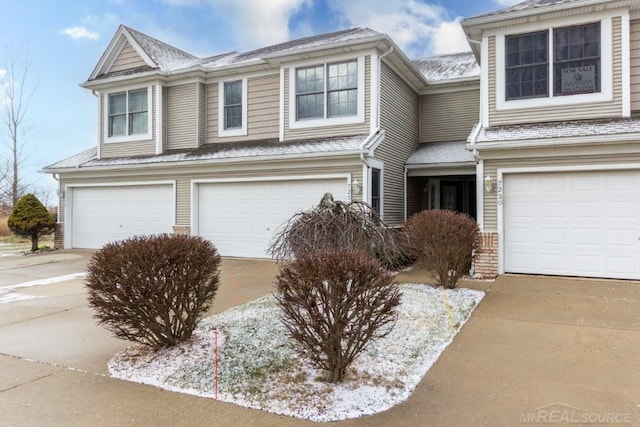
153,289
334,302
444,242
337,225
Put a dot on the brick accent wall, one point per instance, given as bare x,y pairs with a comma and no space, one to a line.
181,229
58,236
486,261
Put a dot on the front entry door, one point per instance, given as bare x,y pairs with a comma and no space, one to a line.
451,195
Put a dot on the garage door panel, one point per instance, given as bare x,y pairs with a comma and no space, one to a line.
240,218
100,215
587,224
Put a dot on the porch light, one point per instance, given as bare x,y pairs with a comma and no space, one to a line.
356,188
488,184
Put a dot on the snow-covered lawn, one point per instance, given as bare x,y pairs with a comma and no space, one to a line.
258,367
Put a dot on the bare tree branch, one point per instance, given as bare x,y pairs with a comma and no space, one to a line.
16,94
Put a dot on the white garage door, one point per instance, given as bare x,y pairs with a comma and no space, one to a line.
240,218
577,224
103,214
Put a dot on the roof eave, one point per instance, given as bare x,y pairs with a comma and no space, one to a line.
411,166
482,21
549,142
239,160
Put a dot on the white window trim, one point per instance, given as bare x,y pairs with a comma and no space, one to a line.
606,65
128,138
375,164
242,131
294,123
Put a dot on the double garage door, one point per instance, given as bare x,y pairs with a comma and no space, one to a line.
576,224
240,218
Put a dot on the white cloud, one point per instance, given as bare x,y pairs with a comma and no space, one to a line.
3,72
258,23
419,28
507,2
80,33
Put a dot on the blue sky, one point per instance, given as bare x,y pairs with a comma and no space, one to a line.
65,39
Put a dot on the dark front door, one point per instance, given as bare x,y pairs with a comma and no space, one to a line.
452,195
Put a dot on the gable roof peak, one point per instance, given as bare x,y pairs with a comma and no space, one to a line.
164,56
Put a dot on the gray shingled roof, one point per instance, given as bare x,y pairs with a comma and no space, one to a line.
301,44
170,59
431,153
218,151
448,67
165,56
525,5
571,129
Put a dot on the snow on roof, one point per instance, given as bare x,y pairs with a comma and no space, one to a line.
228,150
578,128
302,44
441,152
448,67
76,160
525,5
169,58
165,56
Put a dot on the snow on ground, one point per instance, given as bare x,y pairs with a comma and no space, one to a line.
259,368
8,294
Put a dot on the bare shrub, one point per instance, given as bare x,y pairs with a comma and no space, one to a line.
336,225
153,289
444,242
334,302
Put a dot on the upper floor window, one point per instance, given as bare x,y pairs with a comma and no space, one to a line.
574,62
338,91
233,105
527,65
128,113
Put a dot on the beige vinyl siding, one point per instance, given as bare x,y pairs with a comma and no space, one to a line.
263,110
555,113
126,149
183,174
324,131
449,116
492,165
399,119
182,116
635,64
127,59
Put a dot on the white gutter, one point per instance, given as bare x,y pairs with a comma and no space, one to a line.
380,82
490,19
439,165
187,163
550,142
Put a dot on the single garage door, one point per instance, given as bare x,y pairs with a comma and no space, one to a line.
240,218
576,224
104,214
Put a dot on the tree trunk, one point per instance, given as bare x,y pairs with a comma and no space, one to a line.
14,189
34,242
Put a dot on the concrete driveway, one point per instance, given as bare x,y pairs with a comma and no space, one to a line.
536,351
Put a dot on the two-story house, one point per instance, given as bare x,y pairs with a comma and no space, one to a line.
229,147
540,142
558,143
